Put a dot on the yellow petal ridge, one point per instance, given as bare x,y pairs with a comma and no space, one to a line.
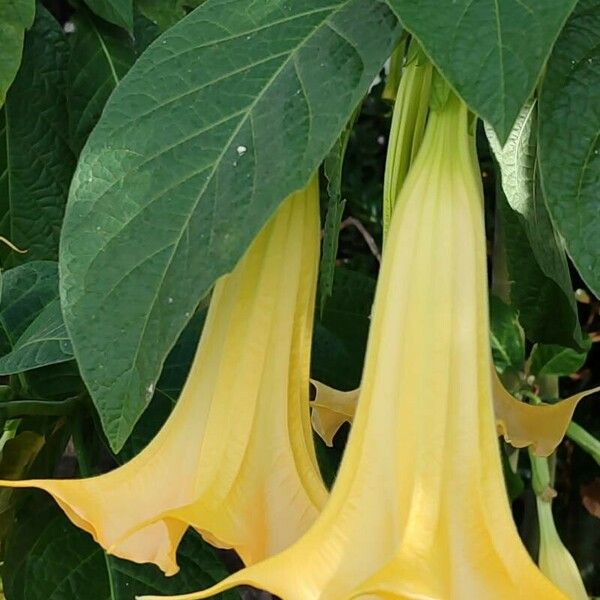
235,459
419,507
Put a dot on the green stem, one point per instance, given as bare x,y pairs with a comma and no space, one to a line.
585,440
408,126
541,477
392,82
39,408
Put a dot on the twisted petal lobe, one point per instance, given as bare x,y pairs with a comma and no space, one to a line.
235,460
419,509
331,408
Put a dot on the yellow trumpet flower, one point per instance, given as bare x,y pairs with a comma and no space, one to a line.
419,509
235,459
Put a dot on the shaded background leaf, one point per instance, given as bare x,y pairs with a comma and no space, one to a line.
165,13
540,284
26,291
100,55
44,342
551,359
118,12
15,17
36,163
341,332
507,339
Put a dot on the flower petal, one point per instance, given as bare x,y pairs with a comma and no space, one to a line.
542,426
235,459
331,408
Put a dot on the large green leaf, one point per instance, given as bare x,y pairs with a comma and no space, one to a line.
35,161
15,17
44,342
225,115
490,51
100,56
48,558
118,12
569,139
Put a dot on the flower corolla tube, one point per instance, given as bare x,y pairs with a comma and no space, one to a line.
235,460
419,509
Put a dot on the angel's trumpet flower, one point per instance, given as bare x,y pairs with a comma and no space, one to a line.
235,459
419,509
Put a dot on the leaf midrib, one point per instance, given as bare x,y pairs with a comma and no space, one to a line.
106,54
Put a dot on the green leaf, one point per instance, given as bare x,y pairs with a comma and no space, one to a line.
516,159
507,338
26,291
535,254
332,167
178,175
36,163
44,342
547,311
165,13
340,335
144,33
490,51
118,12
100,56
15,17
48,558
569,139
551,359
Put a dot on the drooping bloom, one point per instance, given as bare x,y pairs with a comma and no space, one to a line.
554,559
235,459
419,509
